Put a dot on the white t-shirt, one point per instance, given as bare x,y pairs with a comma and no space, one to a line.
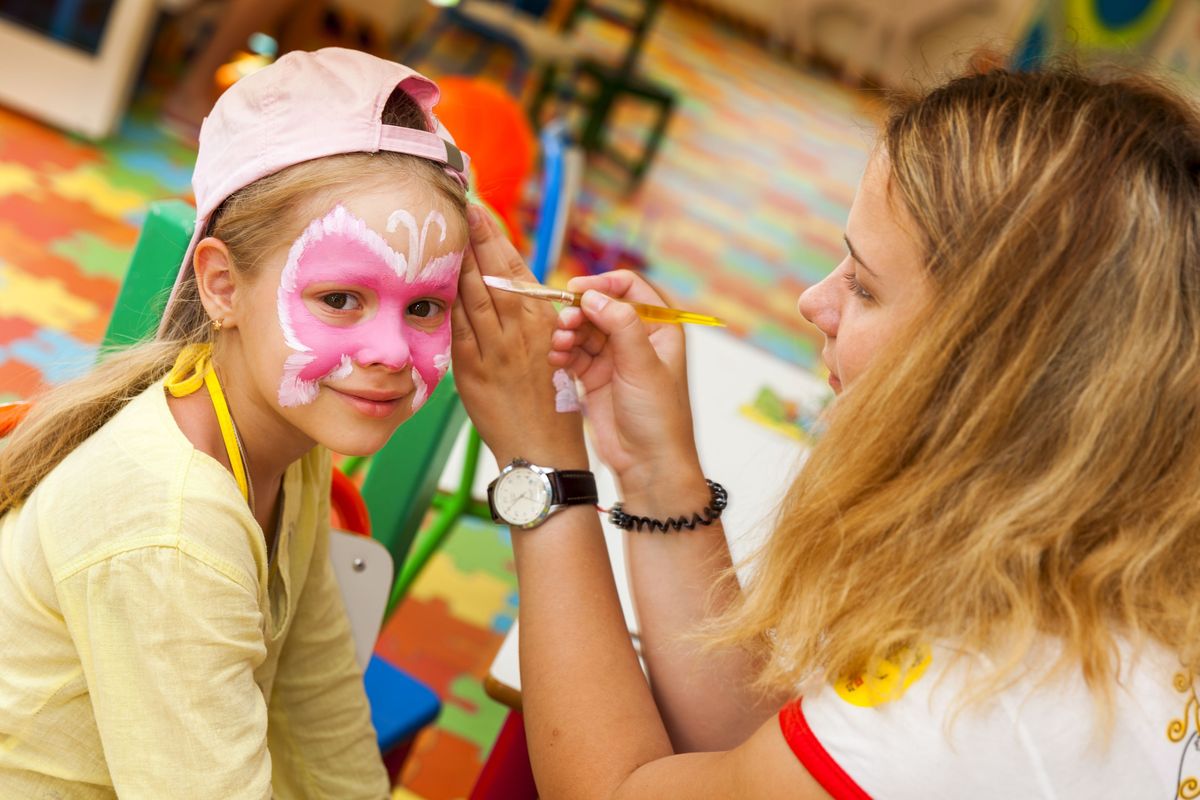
1029,741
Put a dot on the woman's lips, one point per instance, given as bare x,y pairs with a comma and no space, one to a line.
372,404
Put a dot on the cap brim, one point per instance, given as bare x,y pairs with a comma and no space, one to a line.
185,269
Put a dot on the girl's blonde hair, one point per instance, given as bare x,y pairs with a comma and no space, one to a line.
1026,463
251,222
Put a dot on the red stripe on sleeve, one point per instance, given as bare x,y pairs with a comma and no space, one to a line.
814,757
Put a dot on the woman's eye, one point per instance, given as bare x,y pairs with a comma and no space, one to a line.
341,301
856,287
424,309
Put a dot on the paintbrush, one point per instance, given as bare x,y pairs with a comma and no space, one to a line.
646,312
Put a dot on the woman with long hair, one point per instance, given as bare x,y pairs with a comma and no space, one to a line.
983,581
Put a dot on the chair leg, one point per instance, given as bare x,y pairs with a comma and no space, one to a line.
518,73
393,761
652,144
423,46
479,58
546,81
507,774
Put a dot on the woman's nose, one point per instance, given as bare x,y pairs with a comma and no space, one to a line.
819,305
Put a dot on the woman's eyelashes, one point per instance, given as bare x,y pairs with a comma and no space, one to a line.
857,288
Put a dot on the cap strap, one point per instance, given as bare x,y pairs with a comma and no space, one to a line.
425,145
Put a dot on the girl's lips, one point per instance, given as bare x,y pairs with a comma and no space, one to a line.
834,383
370,407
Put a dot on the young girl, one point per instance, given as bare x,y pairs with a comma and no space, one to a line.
172,626
983,582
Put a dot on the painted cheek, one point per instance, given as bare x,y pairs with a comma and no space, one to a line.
430,357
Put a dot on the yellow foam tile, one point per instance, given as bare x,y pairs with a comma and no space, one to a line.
18,179
87,186
43,301
473,597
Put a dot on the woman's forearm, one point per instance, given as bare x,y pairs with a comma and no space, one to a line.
590,717
680,579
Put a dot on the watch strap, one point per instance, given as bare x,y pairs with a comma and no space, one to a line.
573,487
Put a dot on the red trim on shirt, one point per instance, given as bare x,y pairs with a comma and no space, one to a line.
814,757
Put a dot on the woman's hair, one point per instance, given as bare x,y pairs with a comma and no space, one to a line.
1024,465
251,222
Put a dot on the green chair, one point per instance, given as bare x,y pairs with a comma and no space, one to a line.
400,485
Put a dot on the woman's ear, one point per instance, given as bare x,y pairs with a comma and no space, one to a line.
215,279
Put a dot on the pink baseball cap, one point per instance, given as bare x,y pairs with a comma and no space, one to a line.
302,107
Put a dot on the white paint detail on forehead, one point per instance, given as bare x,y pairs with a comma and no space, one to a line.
416,242
422,390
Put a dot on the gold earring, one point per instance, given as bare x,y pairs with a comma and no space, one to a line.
216,323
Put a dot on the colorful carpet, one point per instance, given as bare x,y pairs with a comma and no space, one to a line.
742,209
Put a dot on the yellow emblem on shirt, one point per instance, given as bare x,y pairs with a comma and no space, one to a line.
887,680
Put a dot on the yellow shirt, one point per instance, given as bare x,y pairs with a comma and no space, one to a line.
151,650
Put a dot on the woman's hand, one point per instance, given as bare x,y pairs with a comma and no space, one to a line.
499,345
635,377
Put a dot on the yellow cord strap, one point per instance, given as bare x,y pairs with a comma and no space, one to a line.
192,368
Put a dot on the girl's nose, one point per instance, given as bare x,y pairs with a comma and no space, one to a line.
819,305
389,351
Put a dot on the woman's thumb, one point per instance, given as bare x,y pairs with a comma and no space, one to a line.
626,334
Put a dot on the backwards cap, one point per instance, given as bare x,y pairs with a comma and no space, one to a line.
306,106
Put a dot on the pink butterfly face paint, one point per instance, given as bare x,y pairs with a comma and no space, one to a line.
384,307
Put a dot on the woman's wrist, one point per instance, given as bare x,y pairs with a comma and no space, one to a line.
667,491
558,456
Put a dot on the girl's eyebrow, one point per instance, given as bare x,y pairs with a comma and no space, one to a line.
440,283
854,254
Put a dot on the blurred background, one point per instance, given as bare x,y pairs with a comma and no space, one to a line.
713,144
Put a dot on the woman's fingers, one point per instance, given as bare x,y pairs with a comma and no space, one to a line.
479,307
622,284
507,256
625,335
462,335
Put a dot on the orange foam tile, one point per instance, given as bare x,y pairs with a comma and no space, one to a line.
426,640
39,146
441,766
51,217
92,330
21,379
12,328
34,259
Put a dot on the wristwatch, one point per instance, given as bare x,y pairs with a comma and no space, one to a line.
525,494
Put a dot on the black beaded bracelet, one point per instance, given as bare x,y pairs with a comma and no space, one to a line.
710,514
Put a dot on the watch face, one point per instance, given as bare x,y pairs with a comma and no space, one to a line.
522,496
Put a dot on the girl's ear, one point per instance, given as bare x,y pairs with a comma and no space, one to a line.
215,279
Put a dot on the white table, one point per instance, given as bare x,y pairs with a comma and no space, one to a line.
753,463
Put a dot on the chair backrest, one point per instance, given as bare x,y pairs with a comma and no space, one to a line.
364,572
152,270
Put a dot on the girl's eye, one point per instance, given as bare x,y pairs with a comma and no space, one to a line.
856,288
424,309
341,301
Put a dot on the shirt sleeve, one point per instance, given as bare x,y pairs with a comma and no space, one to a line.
169,645
320,731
